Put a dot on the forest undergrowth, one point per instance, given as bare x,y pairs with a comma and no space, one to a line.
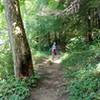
82,69
10,87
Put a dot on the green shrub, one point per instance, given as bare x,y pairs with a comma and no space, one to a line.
80,69
13,89
86,88
76,44
6,63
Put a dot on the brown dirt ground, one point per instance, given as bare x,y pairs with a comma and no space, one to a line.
52,83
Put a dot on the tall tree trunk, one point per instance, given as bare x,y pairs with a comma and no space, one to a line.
89,33
55,37
20,48
49,41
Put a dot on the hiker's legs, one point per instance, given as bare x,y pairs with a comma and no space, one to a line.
54,53
53,56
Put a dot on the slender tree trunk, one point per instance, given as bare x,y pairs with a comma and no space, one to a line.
55,37
20,48
49,41
89,33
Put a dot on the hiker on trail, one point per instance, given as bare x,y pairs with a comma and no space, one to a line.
54,50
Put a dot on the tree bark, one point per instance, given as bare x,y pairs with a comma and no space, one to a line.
20,48
49,41
89,33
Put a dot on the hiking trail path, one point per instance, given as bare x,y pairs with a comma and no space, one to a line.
52,83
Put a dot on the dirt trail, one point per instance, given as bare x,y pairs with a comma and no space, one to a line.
51,87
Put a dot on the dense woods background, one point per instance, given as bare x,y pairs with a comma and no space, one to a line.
73,24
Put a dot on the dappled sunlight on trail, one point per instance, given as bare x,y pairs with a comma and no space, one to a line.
56,60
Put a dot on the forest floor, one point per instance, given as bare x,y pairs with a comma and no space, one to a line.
52,84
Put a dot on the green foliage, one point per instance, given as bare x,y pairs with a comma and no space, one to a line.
39,27
53,4
86,88
96,33
13,89
22,1
6,67
6,63
39,30
81,62
76,44
1,6
81,68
